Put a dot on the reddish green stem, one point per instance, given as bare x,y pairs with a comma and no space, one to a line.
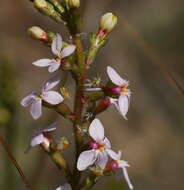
15,163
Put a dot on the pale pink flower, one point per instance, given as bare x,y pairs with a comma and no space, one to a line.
120,166
34,100
65,187
121,88
41,137
100,148
59,53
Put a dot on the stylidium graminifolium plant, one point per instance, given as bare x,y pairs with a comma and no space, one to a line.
94,155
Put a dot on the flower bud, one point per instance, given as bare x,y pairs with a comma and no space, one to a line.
40,4
74,3
37,33
108,22
63,144
48,9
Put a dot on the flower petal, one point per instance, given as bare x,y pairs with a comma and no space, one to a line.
115,77
127,177
36,108
86,159
42,62
123,104
68,51
102,160
54,66
93,89
51,83
113,154
50,128
107,142
65,187
28,100
52,97
96,130
36,140
57,44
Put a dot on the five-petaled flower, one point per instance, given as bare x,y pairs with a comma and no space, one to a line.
59,52
35,100
100,148
65,187
42,137
120,166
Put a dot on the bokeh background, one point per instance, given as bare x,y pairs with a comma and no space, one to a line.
147,43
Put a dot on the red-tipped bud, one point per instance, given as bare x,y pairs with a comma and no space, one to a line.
37,33
107,24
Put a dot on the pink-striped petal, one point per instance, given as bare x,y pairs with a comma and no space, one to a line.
96,130
36,108
86,159
52,97
68,50
115,77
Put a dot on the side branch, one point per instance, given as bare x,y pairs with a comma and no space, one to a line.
61,109
15,163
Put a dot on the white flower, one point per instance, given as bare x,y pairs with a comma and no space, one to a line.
54,64
35,100
41,137
120,166
121,88
65,187
101,148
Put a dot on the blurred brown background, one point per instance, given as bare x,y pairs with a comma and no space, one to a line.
149,35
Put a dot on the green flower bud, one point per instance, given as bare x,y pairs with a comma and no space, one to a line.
47,8
63,144
37,33
65,92
40,4
108,22
74,3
